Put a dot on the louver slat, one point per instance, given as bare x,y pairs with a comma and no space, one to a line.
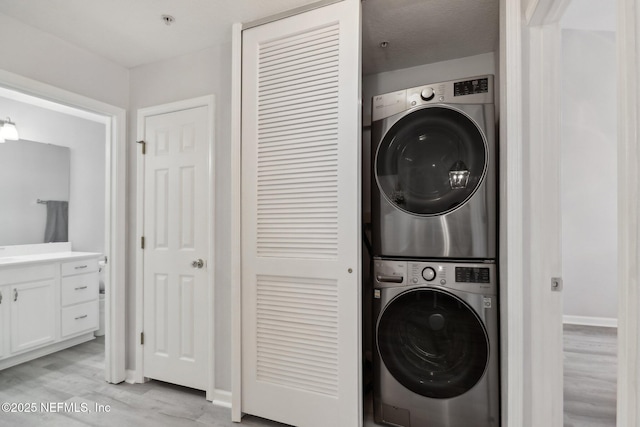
297,146
297,333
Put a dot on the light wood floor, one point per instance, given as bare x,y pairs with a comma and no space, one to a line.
590,372
75,376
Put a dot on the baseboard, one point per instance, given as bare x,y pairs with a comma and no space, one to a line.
43,351
606,322
130,376
222,398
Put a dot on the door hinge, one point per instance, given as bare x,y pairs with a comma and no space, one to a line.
141,242
144,146
141,338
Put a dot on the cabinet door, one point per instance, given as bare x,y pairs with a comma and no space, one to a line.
33,321
301,218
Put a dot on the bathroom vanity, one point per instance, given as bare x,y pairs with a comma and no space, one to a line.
48,300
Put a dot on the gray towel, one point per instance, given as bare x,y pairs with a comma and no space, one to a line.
57,226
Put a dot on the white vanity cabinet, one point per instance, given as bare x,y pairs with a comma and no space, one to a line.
49,302
79,297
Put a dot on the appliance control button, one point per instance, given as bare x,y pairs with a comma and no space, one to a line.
443,282
427,94
414,280
429,274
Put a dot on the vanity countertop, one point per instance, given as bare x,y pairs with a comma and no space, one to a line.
45,257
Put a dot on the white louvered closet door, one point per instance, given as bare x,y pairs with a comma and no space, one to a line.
301,218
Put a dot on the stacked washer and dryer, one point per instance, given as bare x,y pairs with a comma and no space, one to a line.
436,358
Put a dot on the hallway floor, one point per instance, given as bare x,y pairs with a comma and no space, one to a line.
590,372
75,376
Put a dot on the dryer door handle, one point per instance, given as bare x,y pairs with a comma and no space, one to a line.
390,279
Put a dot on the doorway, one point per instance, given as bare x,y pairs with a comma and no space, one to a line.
175,269
45,97
589,200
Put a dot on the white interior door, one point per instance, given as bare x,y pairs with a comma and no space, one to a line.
301,326
176,232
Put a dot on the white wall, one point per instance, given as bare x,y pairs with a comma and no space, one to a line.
201,73
589,173
37,55
86,140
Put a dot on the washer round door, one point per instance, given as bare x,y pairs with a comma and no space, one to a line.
432,343
431,161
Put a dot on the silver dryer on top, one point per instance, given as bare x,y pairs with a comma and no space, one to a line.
434,171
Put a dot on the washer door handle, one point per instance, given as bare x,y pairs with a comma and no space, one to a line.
390,279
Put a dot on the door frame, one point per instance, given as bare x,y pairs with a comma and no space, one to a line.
236,223
114,119
542,17
542,132
511,223
628,49
207,101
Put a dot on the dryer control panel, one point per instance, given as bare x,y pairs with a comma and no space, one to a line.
472,90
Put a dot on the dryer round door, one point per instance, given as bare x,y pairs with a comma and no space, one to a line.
431,161
432,343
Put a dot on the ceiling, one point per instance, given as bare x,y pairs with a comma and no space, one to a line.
132,32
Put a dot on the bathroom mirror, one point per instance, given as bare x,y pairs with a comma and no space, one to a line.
31,172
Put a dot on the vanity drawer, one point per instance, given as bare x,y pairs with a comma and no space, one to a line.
33,273
79,267
79,318
80,288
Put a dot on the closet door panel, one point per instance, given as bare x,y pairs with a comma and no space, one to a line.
301,218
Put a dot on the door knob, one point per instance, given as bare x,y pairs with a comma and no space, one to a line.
197,263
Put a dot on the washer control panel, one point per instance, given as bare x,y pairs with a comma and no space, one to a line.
427,273
476,277
468,277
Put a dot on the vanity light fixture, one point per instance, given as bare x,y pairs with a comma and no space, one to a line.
8,130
